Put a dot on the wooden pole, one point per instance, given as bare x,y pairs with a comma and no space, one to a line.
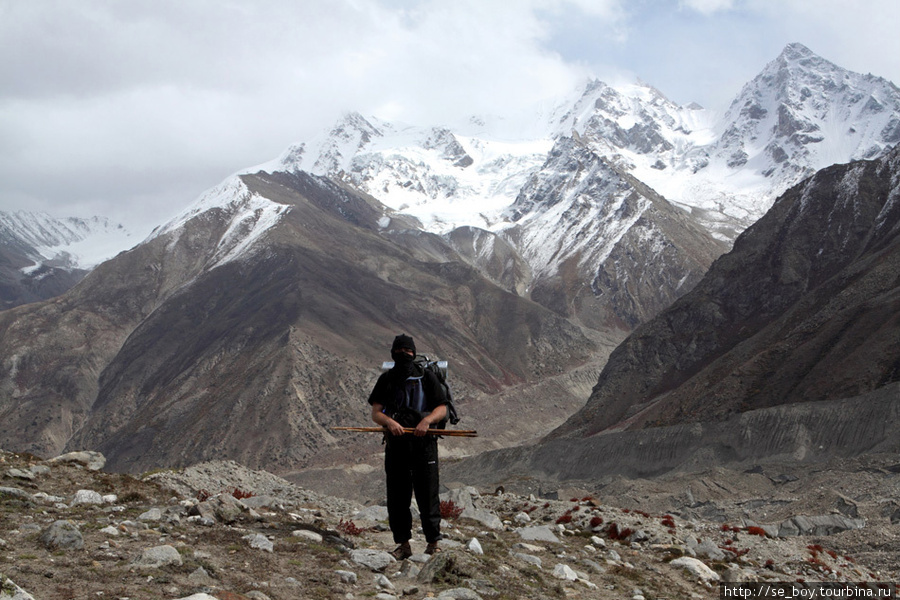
442,432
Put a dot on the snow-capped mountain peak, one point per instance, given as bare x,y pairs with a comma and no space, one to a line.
803,113
68,243
799,114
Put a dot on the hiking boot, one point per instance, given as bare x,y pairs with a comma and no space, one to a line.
402,551
432,548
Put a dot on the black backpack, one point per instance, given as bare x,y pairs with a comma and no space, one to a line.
439,369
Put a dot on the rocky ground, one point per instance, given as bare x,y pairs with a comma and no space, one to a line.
218,530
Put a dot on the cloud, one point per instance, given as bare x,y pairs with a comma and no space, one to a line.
138,106
707,7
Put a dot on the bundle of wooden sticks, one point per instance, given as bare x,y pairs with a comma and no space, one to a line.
441,432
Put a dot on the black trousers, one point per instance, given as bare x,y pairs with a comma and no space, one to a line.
411,466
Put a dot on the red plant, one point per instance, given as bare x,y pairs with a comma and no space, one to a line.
203,495
566,518
727,527
753,530
770,564
668,521
596,521
575,508
449,509
349,528
615,533
240,495
587,498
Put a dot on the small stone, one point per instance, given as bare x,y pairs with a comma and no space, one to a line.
696,568
534,560
92,461
260,542
382,582
86,497
16,493
564,572
200,577
474,546
376,560
372,513
64,535
20,474
110,530
154,514
459,594
305,534
348,577
540,533
158,556
10,591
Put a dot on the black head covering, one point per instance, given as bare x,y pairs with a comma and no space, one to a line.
403,362
403,341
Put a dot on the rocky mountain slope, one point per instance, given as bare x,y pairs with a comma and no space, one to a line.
219,530
256,322
42,256
803,309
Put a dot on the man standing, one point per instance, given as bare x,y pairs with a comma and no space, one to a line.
409,396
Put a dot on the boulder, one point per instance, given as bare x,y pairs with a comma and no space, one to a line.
10,591
818,525
564,572
375,560
89,459
696,568
63,535
260,542
11,492
158,556
87,497
539,533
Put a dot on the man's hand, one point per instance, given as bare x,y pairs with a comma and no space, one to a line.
394,427
422,428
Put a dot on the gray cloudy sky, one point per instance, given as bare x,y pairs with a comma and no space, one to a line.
132,108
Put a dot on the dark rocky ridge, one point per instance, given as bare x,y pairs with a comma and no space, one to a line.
804,308
804,435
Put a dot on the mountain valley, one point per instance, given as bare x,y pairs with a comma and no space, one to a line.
626,287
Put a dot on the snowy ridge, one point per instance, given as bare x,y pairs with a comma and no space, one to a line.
249,217
68,243
445,180
509,175
592,208
801,114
